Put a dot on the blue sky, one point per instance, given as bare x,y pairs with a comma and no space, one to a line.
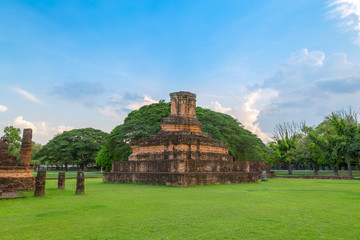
76,64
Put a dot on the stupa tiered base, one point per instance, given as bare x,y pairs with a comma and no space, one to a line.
181,172
180,154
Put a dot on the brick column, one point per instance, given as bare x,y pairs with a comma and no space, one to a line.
25,153
61,181
80,185
40,184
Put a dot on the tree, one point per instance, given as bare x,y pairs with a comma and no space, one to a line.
77,146
346,128
35,148
243,145
309,149
13,134
325,138
285,136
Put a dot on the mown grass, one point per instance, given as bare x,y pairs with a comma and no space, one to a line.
69,174
277,209
355,173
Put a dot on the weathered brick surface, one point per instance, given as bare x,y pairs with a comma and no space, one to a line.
40,181
6,159
181,179
80,183
180,154
61,181
14,184
25,153
181,166
12,176
261,166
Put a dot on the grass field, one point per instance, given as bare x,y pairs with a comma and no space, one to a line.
277,209
356,173
55,174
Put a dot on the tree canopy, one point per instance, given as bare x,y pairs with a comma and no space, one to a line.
13,134
334,143
76,147
243,145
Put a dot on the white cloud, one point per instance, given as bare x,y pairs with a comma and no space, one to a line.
3,108
42,131
61,128
307,87
348,11
20,122
216,106
111,111
248,112
140,102
27,95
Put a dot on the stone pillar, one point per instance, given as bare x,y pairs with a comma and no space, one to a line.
80,185
61,181
183,104
4,145
40,184
25,153
263,176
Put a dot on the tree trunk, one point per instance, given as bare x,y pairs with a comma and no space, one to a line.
290,168
336,172
349,168
316,172
66,167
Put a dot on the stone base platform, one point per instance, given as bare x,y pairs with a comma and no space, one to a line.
182,179
16,178
11,195
180,166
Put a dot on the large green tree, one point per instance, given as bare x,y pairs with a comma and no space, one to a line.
13,134
346,128
76,147
285,137
243,145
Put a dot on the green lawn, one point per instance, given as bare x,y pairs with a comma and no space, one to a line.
356,173
277,209
55,174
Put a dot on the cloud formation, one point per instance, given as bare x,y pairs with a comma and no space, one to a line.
42,131
348,11
77,90
119,106
216,106
138,103
307,87
3,108
27,95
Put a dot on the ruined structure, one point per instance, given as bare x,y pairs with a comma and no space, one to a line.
180,154
16,176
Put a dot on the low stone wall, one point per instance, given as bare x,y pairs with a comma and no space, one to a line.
14,184
319,177
261,166
181,179
180,166
16,178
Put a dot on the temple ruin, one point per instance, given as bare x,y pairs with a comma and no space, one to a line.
180,154
16,176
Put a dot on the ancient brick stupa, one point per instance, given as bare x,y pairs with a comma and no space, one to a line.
180,154
16,176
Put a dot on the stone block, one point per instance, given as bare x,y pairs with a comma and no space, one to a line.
80,183
61,181
40,184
